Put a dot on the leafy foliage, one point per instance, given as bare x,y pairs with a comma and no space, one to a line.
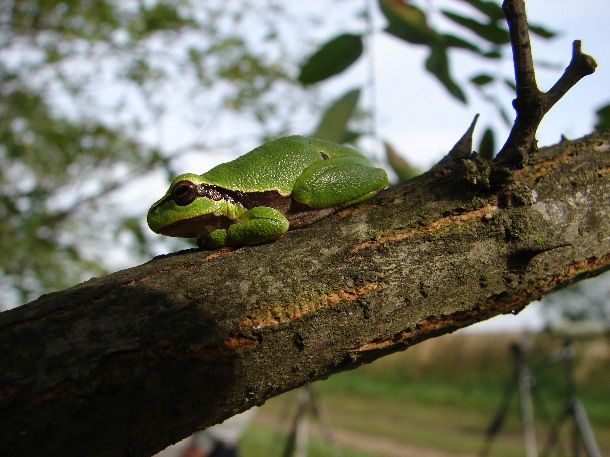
408,22
46,162
403,169
487,146
603,118
490,31
331,59
333,125
483,32
82,84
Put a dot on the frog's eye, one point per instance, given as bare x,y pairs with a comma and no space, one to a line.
184,193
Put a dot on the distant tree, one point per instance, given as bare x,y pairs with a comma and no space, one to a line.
86,87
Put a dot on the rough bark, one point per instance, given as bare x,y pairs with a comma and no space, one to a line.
128,363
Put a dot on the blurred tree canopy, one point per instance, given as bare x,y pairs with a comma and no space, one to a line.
86,87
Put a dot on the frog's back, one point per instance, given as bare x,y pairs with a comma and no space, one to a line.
275,165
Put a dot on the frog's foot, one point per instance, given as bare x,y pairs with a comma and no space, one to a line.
214,240
257,225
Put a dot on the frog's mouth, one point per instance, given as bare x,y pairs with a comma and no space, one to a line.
197,226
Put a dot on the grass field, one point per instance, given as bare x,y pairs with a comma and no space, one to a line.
439,397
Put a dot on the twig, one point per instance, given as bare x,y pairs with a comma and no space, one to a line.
531,104
580,66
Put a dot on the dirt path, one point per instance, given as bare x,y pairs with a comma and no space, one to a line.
367,443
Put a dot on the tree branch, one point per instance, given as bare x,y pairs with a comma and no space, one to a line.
525,75
531,104
128,363
580,66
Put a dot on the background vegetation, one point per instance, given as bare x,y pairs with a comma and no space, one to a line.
441,396
89,95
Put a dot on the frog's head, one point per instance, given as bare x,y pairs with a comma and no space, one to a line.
190,208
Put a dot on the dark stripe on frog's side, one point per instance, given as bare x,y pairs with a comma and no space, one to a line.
298,214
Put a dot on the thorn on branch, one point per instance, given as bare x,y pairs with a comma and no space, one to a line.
462,149
470,170
531,104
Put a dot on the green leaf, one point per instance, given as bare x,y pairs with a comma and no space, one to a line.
492,54
490,31
163,16
541,31
603,118
331,59
510,83
408,22
437,63
333,125
487,146
403,169
351,136
481,79
491,9
452,41
506,116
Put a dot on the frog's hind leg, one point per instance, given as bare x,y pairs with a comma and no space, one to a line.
338,181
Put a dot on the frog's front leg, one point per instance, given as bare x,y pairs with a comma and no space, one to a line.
257,225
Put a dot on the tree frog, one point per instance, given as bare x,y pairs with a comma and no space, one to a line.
285,184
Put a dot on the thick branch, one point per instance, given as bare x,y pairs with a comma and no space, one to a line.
128,363
531,104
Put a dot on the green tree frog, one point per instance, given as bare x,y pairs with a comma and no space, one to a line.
284,184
